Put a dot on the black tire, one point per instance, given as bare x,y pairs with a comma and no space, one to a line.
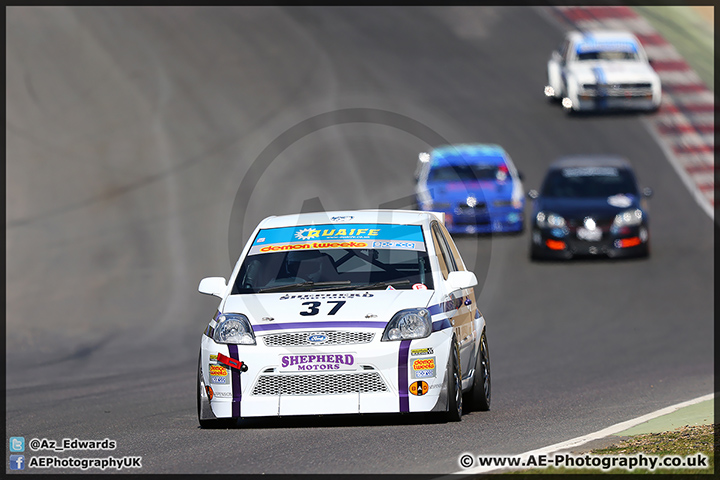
480,393
454,385
210,423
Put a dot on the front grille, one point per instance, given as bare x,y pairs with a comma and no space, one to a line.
601,223
477,206
618,90
301,339
324,384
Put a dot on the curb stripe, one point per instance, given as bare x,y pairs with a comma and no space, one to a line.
683,88
692,108
666,129
661,65
651,39
692,149
700,169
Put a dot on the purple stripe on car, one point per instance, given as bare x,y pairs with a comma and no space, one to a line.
235,374
403,375
314,325
441,325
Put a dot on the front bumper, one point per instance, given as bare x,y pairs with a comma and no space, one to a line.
633,243
488,221
373,377
594,103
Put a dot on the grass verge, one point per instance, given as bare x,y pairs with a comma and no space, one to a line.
685,441
690,34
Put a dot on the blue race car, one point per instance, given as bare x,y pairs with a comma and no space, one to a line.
476,185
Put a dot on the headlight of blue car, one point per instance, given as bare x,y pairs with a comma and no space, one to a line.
408,324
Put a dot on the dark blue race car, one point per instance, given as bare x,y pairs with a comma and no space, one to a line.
476,185
590,205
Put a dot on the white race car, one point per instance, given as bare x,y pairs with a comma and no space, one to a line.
600,70
369,311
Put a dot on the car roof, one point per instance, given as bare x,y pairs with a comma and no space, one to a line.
464,153
603,36
347,217
590,160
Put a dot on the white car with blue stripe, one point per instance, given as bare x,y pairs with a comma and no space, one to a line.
602,70
351,312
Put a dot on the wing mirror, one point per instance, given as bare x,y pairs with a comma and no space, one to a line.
461,279
212,286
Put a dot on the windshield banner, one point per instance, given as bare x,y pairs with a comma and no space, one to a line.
317,237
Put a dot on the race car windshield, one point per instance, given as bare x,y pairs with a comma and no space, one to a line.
463,173
589,182
607,55
333,269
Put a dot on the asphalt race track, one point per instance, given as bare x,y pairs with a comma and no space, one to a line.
129,132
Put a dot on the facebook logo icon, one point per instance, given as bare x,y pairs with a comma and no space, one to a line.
17,462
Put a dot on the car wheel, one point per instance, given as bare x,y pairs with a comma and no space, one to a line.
480,393
209,423
454,385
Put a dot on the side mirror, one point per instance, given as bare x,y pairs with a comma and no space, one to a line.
212,286
461,279
647,192
533,194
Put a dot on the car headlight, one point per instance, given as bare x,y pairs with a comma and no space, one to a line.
549,220
408,324
628,218
234,328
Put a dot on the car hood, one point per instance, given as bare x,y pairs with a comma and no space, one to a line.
582,207
362,308
612,72
461,190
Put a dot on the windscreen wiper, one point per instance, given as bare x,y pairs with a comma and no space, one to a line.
308,283
381,284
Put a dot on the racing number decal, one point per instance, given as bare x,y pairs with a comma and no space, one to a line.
338,304
314,310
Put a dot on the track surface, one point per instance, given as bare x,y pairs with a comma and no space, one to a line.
128,133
